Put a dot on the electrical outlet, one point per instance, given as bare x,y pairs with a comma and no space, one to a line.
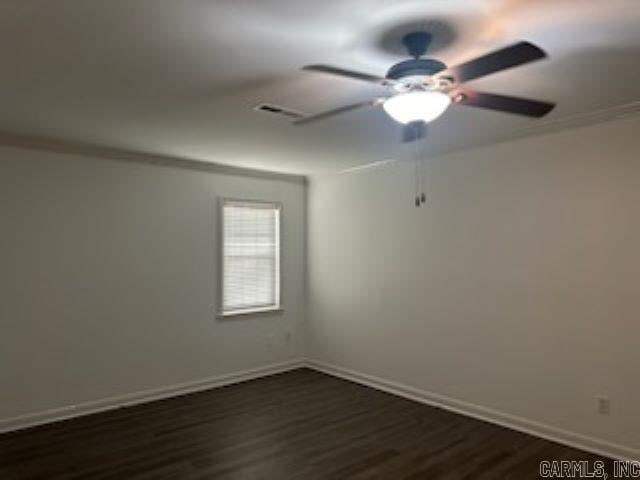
604,405
287,337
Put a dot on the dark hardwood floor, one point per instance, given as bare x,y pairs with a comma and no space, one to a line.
298,425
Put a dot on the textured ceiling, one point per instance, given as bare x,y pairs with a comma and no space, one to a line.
180,78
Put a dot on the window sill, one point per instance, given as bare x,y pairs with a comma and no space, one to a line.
250,311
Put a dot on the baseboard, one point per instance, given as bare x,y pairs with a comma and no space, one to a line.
571,439
111,403
531,427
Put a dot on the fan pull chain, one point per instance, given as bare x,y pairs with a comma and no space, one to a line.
423,196
417,181
417,170
420,197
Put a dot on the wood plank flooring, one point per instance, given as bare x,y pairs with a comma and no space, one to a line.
297,425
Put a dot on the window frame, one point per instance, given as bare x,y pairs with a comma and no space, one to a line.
221,313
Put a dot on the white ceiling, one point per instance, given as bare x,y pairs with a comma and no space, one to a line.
180,78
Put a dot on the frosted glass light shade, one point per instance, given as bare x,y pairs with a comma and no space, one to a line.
416,106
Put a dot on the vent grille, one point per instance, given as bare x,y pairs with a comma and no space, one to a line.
277,110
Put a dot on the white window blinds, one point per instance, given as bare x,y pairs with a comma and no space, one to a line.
250,256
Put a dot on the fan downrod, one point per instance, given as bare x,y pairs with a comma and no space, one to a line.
417,43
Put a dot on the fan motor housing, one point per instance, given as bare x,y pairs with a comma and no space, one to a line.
419,66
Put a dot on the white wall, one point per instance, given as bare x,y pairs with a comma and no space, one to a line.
108,274
516,288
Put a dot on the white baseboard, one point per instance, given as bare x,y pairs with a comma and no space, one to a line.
531,427
102,405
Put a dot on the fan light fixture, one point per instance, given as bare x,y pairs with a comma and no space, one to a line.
417,106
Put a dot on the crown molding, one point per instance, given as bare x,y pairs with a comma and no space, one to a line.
8,139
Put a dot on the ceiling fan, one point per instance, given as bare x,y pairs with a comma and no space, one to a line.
421,89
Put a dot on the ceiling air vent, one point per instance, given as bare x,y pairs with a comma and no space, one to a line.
277,110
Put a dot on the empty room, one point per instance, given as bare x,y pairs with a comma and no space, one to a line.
350,239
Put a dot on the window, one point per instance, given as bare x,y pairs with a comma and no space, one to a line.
250,257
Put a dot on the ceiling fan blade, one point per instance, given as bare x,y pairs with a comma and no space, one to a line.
341,72
336,111
503,59
414,131
516,105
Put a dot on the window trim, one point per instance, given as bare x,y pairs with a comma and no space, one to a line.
244,312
